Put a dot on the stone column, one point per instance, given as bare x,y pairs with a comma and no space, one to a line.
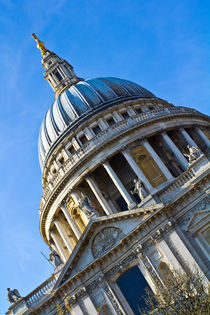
91,182
71,222
76,310
187,137
119,185
74,194
63,235
148,270
137,170
59,247
168,254
89,306
203,137
180,157
159,162
181,248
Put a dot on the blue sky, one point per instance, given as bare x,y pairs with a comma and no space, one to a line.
162,45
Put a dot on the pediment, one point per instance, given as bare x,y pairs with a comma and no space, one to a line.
198,220
101,235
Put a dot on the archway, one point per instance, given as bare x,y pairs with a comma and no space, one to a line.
133,284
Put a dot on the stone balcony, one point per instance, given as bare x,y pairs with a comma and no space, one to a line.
27,302
197,169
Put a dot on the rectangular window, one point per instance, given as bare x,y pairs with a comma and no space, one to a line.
110,121
71,149
58,76
138,110
83,139
96,129
53,170
150,107
61,160
125,115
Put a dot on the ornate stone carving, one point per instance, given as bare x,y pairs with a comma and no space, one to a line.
193,154
150,269
81,293
203,204
113,300
120,265
101,282
105,240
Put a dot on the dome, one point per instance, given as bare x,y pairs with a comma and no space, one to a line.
79,99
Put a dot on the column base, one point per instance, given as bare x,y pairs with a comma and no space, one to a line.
147,201
131,206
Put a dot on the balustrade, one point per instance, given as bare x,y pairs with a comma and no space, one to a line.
40,292
183,179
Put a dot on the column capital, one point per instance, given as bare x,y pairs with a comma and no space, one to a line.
125,148
105,161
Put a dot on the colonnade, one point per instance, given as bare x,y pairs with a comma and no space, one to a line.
60,239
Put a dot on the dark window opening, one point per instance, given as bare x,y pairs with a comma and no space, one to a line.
151,107
111,121
53,170
137,198
125,115
58,76
166,155
50,62
133,284
121,204
83,139
96,129
71,149
138,110
61,160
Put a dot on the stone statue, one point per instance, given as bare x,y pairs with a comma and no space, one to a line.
139,189
85,205
193,154
13,295
55,258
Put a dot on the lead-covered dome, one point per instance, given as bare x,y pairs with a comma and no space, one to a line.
80,99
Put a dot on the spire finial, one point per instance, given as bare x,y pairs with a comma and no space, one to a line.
40,44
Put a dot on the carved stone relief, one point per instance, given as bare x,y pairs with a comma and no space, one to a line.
203,204
120,265
105,239
102,283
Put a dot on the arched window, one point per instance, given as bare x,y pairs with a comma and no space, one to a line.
133,284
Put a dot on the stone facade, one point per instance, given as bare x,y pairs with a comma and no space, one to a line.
95,220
